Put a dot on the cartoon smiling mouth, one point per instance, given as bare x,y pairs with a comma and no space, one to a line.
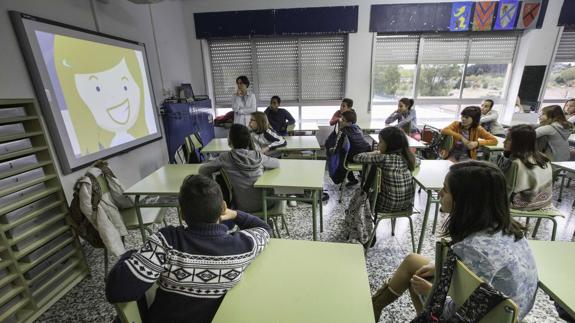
120,113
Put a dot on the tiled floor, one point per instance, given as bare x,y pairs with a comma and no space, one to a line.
86,302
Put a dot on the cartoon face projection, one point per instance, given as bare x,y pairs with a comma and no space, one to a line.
112,96
103,88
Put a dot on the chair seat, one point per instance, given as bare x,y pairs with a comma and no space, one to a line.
276,210
547,212
150,215
397,214
354,167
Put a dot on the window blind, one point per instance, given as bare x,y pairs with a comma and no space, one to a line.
443,49
566,48
277,68
323,67
396,49
229,59
310,68
494,49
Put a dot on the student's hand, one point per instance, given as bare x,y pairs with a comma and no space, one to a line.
420,285
265,150
228,214
426,271
472,145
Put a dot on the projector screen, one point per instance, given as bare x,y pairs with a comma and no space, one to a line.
94,89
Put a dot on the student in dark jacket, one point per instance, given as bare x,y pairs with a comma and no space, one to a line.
278,118
265,139
194,266
357,142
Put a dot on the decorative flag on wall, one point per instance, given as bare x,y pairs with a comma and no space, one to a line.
460,16
483,15
529,14
506,14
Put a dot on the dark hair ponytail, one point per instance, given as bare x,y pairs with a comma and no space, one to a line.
407,102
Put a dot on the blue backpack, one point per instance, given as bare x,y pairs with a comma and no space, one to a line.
337,146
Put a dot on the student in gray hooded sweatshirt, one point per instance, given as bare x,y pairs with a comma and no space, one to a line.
553,133
244,166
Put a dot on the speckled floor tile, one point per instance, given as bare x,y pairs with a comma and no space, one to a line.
86,302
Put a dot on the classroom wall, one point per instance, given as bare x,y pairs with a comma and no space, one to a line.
169,66
536,48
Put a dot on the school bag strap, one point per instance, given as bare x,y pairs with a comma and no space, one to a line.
481,301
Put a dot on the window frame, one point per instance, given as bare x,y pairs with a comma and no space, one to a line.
548,72
299,102
460,101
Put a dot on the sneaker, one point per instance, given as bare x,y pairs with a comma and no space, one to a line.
292,203
324,197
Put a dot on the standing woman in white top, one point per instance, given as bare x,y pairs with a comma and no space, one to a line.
243,101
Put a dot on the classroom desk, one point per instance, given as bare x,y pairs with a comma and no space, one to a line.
429,176
372,126
294,143
413,143
555,263
497,149
566,165
304,282
165,181
306,126
292,177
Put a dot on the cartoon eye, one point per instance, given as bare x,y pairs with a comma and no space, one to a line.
98,88
125,88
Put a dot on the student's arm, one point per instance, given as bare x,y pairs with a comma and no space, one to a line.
543,131
136,271
392,117
247,221
335,118
210,167
490,117
274,139
451,130
369,158
289,118
485,138
270,162
407,120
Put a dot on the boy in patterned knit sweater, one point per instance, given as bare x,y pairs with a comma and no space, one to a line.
194,266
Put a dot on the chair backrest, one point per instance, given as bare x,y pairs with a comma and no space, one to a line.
464,282
227,189
190,150
129,311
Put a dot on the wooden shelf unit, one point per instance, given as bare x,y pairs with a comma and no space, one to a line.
41,258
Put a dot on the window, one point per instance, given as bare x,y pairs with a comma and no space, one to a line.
561,80
303,71
443,72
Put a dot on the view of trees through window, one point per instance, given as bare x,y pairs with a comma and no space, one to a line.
440,80
561,83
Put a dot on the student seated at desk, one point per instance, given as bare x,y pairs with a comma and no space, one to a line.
357,142
346,105
244,166
483,235
467,135
194,266
489,119
279,118
264,137
406,118
553,133
396,162
569,110
532,187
